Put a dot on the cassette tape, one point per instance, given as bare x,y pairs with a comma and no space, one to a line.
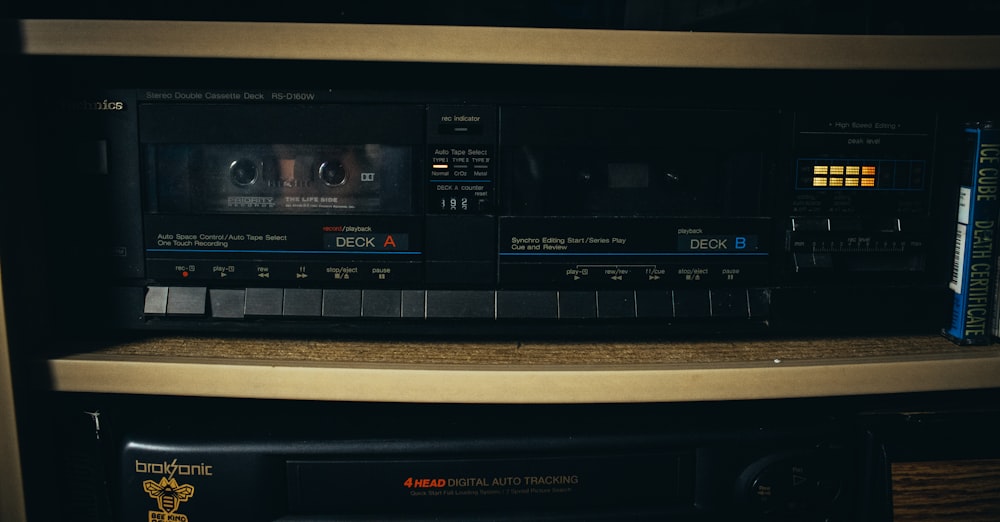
281,178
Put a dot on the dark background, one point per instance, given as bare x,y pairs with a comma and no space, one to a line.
921,17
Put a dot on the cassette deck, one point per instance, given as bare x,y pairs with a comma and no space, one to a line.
323,210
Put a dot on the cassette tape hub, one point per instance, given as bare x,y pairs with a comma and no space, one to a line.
329,212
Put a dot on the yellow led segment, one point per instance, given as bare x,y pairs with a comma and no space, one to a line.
843,175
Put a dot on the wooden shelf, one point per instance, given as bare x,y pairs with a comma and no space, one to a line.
12,505
525,373
950,490
504,45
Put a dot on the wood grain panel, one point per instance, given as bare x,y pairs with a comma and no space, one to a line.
12,506
965,490
537,372
503,45
753,351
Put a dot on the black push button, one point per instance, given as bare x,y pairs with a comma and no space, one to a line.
616,305
264,301
341,303
156,301
527,305
186,300
577,305
465,304
380,303
654,304
730,303
303,302
227,303
692,303
413,304
760,302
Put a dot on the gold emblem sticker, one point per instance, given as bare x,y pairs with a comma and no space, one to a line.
169,496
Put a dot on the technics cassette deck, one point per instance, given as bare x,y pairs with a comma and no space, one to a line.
323,209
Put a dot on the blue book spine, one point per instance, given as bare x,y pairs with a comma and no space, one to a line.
974,266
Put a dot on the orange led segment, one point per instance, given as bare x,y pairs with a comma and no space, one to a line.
843,175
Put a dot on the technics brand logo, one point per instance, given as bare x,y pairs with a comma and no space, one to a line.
103,105
173,468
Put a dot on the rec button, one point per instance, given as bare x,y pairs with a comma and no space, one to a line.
184,300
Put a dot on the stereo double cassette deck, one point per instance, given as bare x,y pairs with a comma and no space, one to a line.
319,209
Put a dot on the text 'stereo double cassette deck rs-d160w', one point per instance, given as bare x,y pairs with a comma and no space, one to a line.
315,211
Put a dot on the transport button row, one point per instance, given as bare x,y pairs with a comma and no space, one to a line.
240,303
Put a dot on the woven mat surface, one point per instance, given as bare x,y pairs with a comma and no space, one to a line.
542,353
